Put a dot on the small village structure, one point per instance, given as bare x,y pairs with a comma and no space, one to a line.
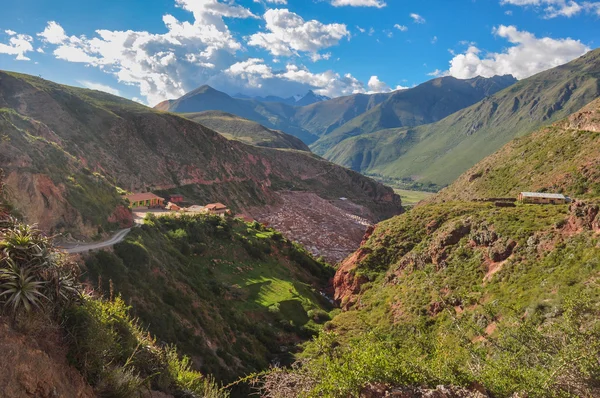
216,208
542,198
150,201
172,206
145,200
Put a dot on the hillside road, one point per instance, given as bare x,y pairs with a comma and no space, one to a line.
86,247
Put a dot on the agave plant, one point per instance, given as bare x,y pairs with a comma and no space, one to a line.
19,287
32,272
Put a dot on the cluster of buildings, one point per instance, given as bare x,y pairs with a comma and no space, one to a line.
148,201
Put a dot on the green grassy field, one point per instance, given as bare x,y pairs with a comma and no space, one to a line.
412,197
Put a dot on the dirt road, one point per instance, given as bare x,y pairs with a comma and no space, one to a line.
86,247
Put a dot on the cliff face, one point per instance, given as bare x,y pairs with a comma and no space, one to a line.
66,149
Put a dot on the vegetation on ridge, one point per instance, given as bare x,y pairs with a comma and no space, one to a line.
228,293
115,355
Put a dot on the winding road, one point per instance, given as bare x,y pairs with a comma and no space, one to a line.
86,247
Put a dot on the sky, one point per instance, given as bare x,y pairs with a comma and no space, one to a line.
152,50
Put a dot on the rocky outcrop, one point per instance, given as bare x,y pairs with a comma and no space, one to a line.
582,216
122,216
346,283
37,367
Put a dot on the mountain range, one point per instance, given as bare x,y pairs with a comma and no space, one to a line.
69,152
324,124
295,100
441,151
425,135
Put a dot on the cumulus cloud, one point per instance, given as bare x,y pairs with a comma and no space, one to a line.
18,45
527,56
377,86
401,28
53,34
289,34
202,50
99,87
256,77
161,65
437,73
417,18
271,1
358,3
558,8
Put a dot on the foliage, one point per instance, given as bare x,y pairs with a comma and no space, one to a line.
533,357
115,355
120,359
32,273
195,279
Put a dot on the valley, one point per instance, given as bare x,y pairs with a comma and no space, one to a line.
312,235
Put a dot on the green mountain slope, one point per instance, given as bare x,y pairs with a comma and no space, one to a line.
426,103
559,158
229,294
65,150
441,151
332,120
500,301
237,128
324,117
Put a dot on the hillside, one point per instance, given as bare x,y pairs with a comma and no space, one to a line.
441,151
559,158
237,128
229,294
324,117
487,301
66,150
423,104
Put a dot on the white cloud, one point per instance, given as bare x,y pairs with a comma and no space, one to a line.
417,18
18,45
257,78
288,34
10,32
202,50
161,65
271,1
401,28
358,3
437,73
99,87
53,34
377,86
558,8
361,30
527,56
434,39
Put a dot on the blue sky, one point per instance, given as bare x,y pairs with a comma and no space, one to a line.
151,50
